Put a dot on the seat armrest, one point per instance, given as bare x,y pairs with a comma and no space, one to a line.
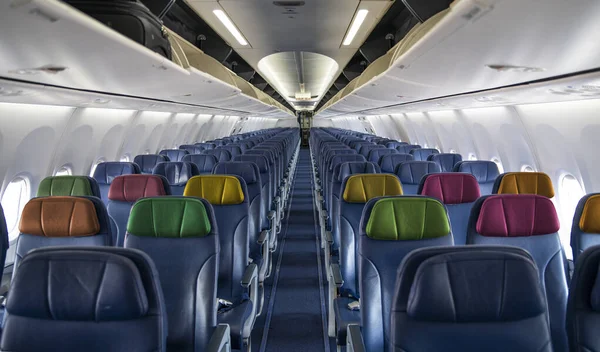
336,275
220,340
329,237
250,274
271,215
354,339
264,235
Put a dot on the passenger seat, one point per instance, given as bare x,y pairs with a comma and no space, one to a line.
585,230
411,173
484,171
177,174
105,173
147,162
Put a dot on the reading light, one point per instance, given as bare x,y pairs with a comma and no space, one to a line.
230,26
358,21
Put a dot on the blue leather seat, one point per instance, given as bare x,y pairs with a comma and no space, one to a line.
332,177
484,171
418,222
205,163
411,173
529,222
468,299
206,146
458,192
389,163
49,221
273,173
177,174
125,191
3,240
220,154
585,230
228,196
446,161
174,154
92,299
186,255
421,154
366,149
191,148
406,148
376,154
147,162
234,150
394,144
583,308
106,172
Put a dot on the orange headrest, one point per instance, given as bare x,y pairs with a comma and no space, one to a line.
60,217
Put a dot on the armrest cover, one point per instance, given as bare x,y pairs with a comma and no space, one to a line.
220,340
354,339
336,274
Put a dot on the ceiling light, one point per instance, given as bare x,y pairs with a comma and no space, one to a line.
230,26
358,21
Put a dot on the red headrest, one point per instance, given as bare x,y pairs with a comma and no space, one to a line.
130,188
517,215
451,187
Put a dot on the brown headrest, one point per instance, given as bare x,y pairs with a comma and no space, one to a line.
60,217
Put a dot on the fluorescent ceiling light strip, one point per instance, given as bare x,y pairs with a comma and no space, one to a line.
222,16
358,21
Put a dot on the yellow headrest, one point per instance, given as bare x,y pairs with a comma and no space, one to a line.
216,189
526,183
363,187
590,216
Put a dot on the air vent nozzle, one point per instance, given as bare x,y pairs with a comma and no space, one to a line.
289,3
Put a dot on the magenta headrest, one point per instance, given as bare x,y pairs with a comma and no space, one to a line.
517,215
451,187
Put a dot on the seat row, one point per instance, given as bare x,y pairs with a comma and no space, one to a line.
215,240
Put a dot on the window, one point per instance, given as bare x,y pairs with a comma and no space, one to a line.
472,156
125,158
569,193
15,196
101,160
64,170
527,168
498,163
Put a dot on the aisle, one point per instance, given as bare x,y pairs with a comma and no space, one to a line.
294,320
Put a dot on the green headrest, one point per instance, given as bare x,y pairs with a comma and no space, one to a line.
65,186
407,219
169,217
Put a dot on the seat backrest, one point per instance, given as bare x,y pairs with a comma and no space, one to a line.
406,148
3,240
229,197
583,308
68,186
524,183
376,154
366,149
85,299
446,161
484,171
106,172
394,144
411,173
206,146
234,150
177,174
265,180
389,163
585,230
471,298
174,154
530,222
180,235
205,163
220,154
62,221
458,192
125,191
147,162
390,228
192,148
421,154
357,190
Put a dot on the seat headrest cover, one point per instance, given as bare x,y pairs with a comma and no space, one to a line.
517,215
177,217
65,186
407,219
526,183
130,188
484,171
590,216
468,286
245,169
204,162
60,217
147,162
77,285
451,187
216,189
411,172
363,187
259,160
106,172
353,168
176,172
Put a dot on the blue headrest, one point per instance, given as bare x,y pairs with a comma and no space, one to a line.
406,148
205,146
376,154
446,161
233,149
484,171
204,162
174,154
394,144
411,172
79,284
423,153
351,168
339,159
259,160
106,172
388,163
220,154
147,162
176,172
267,153
245,169
192,148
